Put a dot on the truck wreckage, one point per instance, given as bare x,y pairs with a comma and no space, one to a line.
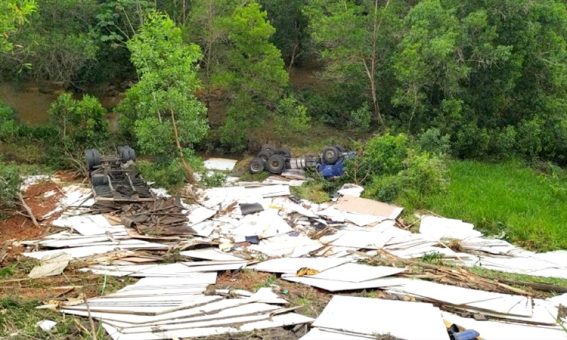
329,162
350,244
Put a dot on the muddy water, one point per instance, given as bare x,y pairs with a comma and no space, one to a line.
30,101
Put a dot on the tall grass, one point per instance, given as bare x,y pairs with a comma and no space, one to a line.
510,197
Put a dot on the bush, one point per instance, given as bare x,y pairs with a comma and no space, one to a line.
9,127
471,141
393,169
434,142
292,116
361,118
80,124
503,142
529,141
166,175
9,186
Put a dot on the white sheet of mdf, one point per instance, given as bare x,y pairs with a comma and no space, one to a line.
194,290
544,313
370,316
192,278
436,228
356,272
86,225
267,295
221,164
471,298
267,191
292,265
276,321
496,330
491,246
338,286
179,269
286,245
264,224
360,239
331,334
212,254
122,320
200,214
245,313
144,305
530,264
207,263
80,252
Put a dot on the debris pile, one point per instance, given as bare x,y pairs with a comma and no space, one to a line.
333,246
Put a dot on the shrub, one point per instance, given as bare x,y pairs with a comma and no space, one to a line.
292,116
471,141
434,142
503,142
361,118
9,186
80,124
529,142
9,127
166,175
393,169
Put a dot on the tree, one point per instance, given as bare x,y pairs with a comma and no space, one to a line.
166,117
356,40
291,27
58,42
253,73
13,13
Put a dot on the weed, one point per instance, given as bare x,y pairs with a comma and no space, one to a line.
313,191
506,198
268,282
432,257
7,271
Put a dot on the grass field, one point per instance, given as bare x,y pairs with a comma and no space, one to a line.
528,206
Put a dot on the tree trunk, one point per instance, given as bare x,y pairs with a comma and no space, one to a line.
186,167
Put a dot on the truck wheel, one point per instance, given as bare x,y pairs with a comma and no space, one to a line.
99,179
330,155
92,158
268,147
126,154
265,155
256,166
284,152
275,164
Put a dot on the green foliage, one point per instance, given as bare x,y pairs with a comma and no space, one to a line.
290,23
292,117
80,124
57,43
13,13
8,125
164,174
393,169
433,141
9,185
361,118
507,198
161,111
212,179
253,72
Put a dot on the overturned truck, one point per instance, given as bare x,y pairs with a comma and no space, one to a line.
115,177
329,162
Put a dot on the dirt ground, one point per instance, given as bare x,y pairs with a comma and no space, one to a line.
42,198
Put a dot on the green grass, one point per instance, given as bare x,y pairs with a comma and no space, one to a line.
528,206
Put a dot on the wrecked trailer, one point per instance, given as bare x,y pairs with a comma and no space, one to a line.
115,178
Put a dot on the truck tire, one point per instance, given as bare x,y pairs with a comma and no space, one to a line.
99,179
330,155
256,166
92,159
285,152
275,164
126,154
265,155
269,148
